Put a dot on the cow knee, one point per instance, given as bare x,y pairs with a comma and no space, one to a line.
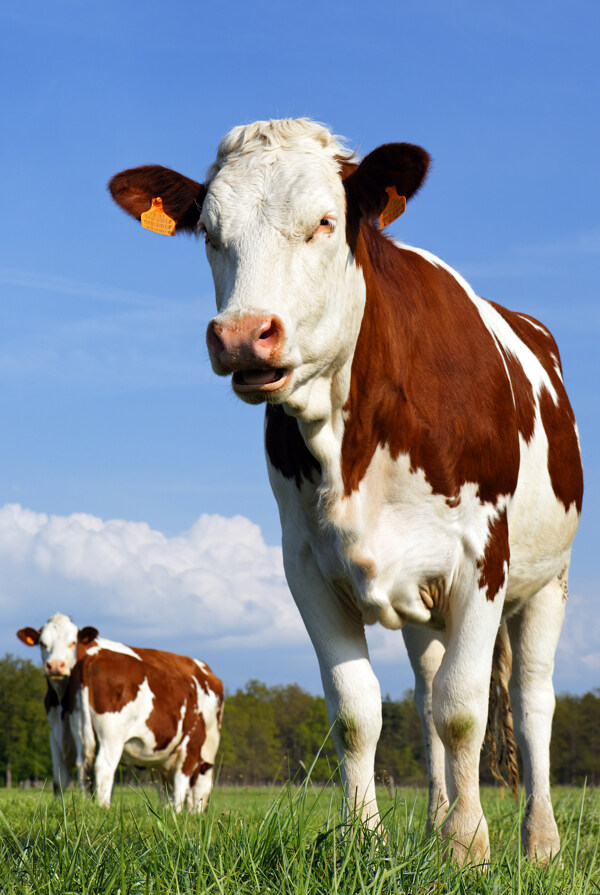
357,715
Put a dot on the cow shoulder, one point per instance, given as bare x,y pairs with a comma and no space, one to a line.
427,378
112,679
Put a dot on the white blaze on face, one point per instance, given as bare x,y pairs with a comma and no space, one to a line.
275,224
58,644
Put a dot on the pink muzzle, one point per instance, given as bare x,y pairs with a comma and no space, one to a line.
249,347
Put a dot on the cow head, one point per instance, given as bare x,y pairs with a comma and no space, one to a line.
58,640
280,211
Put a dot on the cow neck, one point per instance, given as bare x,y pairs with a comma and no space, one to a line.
427,380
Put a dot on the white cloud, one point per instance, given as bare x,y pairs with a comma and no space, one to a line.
216,591
218,580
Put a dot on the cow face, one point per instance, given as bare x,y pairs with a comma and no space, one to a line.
280,212
58,640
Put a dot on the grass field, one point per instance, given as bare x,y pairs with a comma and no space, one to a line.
274,841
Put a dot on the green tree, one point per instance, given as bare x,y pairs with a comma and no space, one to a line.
24,732
250,747
303,729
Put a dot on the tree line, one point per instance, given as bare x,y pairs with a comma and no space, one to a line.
272,734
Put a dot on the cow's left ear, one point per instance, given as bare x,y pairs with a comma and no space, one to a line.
138,189
394,165
85,636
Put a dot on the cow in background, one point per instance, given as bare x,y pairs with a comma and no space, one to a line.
107,702
419,440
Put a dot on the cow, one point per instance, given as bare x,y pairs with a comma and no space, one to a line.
107,703
419,441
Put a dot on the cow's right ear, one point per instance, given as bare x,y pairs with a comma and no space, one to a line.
29,636
86,635
135,189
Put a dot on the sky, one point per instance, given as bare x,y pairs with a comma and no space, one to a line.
133,489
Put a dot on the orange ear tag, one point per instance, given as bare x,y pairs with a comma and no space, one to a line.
395,207
29,640
157,219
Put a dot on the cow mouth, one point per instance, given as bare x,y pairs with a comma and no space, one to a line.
267,380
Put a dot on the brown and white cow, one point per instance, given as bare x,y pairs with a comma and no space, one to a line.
420,444
107,703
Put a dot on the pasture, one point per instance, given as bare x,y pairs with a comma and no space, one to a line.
263,840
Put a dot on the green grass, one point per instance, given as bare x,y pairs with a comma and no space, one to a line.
275,841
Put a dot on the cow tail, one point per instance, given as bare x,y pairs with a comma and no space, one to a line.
500,731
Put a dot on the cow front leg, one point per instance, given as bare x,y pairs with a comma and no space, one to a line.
60,771
426,651
352,693
460,708
534,636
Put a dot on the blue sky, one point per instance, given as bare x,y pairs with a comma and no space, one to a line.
132,482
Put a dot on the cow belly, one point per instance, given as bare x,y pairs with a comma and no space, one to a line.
129,727
541,528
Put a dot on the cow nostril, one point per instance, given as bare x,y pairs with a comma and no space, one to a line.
214,340
271,330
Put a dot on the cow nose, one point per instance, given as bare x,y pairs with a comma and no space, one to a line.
56,666
244,342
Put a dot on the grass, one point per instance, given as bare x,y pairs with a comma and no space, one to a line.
292,840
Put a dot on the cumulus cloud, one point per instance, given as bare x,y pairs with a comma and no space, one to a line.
216,588
218,580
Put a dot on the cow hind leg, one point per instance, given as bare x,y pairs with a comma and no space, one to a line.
426,651
180,790
534,633
460,709
107,760
200,789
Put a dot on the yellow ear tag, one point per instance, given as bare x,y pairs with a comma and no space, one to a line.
157,219
395,207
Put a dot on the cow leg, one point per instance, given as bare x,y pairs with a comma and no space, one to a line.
107,760
534,633
85,745
60,771
426,651
352,693
199,792
180,790
460,707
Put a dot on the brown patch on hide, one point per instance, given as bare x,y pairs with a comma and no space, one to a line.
113,679
523,394
286,449
427,379
494,564
193,757
564,458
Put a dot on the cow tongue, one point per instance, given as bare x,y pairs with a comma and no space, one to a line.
258,377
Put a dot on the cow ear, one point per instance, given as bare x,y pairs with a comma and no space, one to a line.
86,635
370,185
135,189
29,636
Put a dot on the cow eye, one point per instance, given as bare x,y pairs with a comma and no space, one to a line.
326,225
209,240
